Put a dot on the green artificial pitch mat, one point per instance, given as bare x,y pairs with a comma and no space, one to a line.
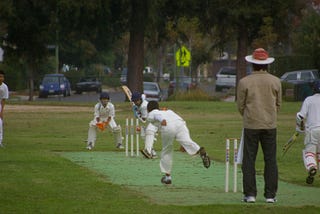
192,184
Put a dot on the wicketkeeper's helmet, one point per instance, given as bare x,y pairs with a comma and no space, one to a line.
316,86
135,96
104,95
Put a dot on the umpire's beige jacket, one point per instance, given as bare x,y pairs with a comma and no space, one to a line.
259,98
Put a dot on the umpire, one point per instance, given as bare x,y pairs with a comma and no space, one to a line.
258,101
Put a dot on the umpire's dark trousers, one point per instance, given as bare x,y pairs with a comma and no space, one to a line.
267,138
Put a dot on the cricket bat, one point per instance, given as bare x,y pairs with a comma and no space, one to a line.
289,143
127,92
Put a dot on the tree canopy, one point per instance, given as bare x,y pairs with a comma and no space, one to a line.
89,32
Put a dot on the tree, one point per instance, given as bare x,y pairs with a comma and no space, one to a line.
138,17
306,37
245,19
27,35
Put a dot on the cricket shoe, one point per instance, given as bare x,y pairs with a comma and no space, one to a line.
271,200
205,158
154,154
249,199
120,146
312,172
166,180
146,154
89,147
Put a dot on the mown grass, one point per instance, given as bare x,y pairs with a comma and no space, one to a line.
34,178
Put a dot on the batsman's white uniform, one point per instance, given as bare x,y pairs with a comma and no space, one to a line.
310,111
175,129
4,94
147,133
103,113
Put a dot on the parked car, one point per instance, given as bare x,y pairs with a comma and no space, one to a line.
54,84
299,84
123,77
88,84
307,75
186,83
152,91
226,78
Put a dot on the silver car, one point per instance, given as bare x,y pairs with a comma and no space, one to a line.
152,91
308,75
226,78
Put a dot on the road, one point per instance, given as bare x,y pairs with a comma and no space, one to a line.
116,97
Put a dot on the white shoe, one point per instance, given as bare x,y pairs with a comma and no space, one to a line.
153,153
120,146
249,199
146,154
271,200
89,147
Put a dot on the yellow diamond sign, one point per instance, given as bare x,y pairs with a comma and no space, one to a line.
183,56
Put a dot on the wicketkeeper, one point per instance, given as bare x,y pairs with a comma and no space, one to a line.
104,113
148,132
308,119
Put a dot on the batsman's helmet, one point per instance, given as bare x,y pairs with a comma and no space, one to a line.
316,86
104,95
135,96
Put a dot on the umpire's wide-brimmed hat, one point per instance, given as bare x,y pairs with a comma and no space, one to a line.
259,56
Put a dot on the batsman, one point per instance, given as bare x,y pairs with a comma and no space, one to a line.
147,133
308,119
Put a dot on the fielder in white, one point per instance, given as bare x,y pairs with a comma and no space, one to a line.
173,127
4,94
308,119
104,112
147,133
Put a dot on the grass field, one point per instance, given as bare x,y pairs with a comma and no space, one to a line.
44,167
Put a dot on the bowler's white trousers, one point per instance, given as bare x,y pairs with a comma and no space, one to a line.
175,130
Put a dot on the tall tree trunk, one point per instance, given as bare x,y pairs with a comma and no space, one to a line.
242,52
30,69
138,19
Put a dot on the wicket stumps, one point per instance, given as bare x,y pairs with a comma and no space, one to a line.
131,129
235,165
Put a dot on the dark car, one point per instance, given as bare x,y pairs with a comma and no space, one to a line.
185,84
88,84
54,84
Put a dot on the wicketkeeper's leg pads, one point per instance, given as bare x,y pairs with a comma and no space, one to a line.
117,135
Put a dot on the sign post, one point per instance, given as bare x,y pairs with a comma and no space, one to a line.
183,58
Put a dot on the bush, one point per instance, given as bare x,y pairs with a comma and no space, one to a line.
192,95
